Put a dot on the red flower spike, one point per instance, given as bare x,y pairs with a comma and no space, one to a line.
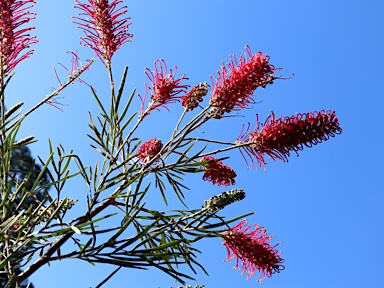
148,150
218,173
236,82
253,250
165,87
105,28
278,137
13,14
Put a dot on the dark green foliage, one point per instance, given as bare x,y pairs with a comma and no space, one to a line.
22,167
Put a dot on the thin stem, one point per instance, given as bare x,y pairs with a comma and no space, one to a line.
55,93
210,141
177,127
4,147
236,146
202,112
126,139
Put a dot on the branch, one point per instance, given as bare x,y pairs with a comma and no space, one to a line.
44,259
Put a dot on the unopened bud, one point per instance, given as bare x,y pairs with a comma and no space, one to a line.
12,110
218,202
23,142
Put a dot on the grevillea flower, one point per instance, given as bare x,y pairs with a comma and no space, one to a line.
217,172
253,250
236,82
105,27
191,100
148,150
278,137
165,87
13,40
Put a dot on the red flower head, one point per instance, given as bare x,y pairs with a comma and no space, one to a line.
252,248
193,97
218,173
278,137
149,149
105,30
236,82
13,14
165,87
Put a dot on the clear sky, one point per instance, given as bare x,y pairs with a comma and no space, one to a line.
326,206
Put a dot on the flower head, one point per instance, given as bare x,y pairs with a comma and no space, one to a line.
236,82
105,28
278,137
191,100
148,150
217,172
13,40
165,87
253,250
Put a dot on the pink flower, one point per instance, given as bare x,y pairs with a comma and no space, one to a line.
13,40
236,82
278,137
218,173
104,27
148,150
191,100
253,250
165,87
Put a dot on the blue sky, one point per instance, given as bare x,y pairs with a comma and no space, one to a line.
325,205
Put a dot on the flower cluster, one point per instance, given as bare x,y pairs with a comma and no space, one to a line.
191,100
165,87
253,250
217,172
236,82
13,14
148,150
278,137
105,30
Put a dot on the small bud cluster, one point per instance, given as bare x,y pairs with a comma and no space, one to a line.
12,110
218,202
23,142
64,205
193,97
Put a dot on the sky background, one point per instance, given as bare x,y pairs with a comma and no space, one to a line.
326,206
